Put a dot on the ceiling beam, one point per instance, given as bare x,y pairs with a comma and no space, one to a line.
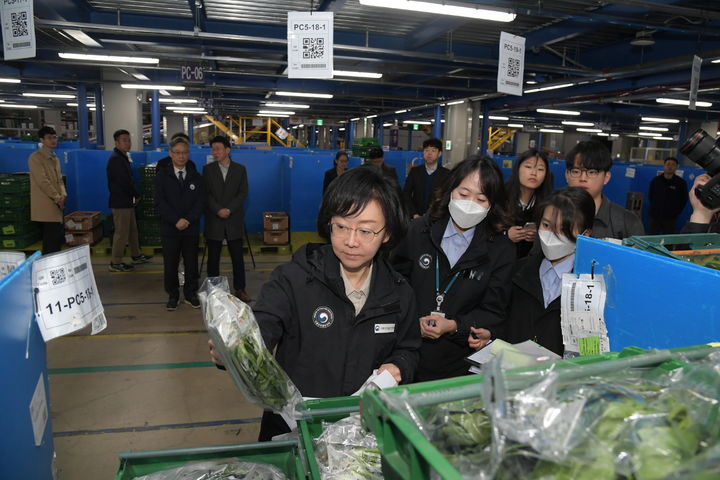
432,30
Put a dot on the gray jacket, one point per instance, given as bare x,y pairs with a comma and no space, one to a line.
229,193
614,221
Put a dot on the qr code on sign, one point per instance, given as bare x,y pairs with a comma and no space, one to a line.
513,69
57,276
19,21
313,47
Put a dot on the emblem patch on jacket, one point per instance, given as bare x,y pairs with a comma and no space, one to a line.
323,317
425,260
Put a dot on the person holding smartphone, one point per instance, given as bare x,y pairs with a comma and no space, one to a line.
537,283
529,183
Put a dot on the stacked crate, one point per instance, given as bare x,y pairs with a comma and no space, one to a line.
17,230
148,217
83,228
276,228
361,146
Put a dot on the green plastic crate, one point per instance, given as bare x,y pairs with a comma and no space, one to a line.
15,183
20,241
676,246
283,455
150,240
407,454
21,228
15,215
14,201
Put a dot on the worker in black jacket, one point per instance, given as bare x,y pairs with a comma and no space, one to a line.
667,196
459,264
337,312
424,179
179,197
124,195
534,312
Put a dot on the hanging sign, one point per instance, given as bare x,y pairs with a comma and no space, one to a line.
511,64
694,81
310,44
66,296
281,133
18,29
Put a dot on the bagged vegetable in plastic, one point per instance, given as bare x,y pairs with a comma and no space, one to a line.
345,451
236,335
219,470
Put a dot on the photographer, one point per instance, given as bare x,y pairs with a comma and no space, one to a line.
703,219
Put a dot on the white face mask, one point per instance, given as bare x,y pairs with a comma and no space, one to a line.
555,246
466,213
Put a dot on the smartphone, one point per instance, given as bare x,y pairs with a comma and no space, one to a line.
529,225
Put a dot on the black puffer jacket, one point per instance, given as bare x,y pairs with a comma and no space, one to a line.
325,349
478,298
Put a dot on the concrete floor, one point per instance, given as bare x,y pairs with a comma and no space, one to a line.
146,382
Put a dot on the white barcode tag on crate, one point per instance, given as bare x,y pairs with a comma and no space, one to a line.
582,314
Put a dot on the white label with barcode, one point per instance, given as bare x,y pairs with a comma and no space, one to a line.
582,309
18,29
9,261
310,44
66,295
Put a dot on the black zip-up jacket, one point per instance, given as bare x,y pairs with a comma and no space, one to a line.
419,188
667,197
528,319
175,201
120,181
478,298
325,349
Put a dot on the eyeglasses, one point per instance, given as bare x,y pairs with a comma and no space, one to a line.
362,234
577,172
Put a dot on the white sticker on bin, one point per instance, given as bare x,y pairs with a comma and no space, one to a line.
582,311
384,328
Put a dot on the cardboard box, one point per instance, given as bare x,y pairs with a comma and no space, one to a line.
276,238
75,238
275,221
83,221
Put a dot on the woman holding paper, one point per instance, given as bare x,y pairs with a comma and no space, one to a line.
459,264
537,283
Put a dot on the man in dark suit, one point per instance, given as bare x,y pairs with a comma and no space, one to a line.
423,180
227,188
376,157
179,197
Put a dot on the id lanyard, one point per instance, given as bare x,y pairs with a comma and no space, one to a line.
440,296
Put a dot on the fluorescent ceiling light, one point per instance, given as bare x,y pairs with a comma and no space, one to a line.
82,37
660,120
9,80
551,87
577,124
108,58
355,119
74,104
203,125
140,76
191,112
649,134
557,112
371,116
48,95
444,9
148,86
456,102
589,130
276,112
603,134
496,117
301,125
442,121
614,134
187,109
400,111
419,122
304,94
388,124
551,130
272,115
13,105
285,105
341,129
515,125
348,73
654,129
165,92
664,138
178,100
531,82
676,101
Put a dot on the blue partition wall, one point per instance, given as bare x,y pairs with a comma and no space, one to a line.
19,333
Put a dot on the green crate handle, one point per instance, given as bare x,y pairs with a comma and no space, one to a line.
207,450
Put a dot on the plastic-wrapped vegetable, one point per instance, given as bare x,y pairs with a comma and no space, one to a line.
345,451
218,470
236,335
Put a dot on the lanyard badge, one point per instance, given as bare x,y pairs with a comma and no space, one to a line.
440,296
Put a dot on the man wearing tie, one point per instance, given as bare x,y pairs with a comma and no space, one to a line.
179,196
227,187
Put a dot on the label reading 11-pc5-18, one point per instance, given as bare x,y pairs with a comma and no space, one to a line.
66,295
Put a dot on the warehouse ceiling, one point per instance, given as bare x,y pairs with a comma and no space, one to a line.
616,57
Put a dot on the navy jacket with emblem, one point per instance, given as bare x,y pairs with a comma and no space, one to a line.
478,298
325,349
175,201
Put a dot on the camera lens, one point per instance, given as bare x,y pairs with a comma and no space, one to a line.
701,149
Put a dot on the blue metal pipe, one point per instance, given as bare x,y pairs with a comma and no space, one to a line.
82,114
484,127
410,134
350,136
437,128
380,131
99,121
334,138
155,119
191,128
312,136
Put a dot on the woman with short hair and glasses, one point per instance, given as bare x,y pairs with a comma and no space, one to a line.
338,312
460,265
